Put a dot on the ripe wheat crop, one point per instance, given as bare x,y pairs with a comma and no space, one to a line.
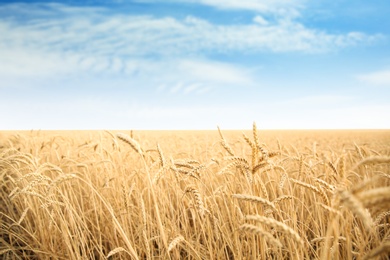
195,194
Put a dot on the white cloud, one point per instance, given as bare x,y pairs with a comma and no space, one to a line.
281,7
192,87
197,76
176,88
185,88
260,20
269,6
169,55
16,62
98,33
203,90
376,78
59,40
215,72
117,65
319,100
161,88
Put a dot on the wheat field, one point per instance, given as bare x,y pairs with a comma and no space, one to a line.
195,194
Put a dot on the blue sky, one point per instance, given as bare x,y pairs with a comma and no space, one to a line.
194,64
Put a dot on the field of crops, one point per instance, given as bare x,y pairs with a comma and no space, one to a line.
195,194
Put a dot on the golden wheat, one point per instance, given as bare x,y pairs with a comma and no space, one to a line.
258,231
356,206
254,199
81,195
274,223
175,242
130,141
382,249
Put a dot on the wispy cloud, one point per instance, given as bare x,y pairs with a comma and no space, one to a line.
176,88
161,88
56,40
215,72
282,7
265,5
189,88
63,47
192,87
319,100
376,78
99,32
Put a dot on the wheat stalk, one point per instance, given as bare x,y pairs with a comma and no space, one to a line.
277,224
198,200
254,199
331,165
259,166
130,141
282,198
372,160
258,231
330,187
313,188
161,157
23,216
224,143
380,217
264,189
175,242
282,181
116,251
382,249
356,206
375,197
255,137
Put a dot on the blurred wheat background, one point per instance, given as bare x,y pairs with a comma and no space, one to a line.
195,194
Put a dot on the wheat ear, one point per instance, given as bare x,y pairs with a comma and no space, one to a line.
356,206
198,200
382,249
116,251
175,242
277,224
254,199
130,141
380,217
313,188
224,143
375,197
372,160
258,231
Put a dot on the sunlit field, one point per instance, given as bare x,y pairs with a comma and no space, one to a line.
195,194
